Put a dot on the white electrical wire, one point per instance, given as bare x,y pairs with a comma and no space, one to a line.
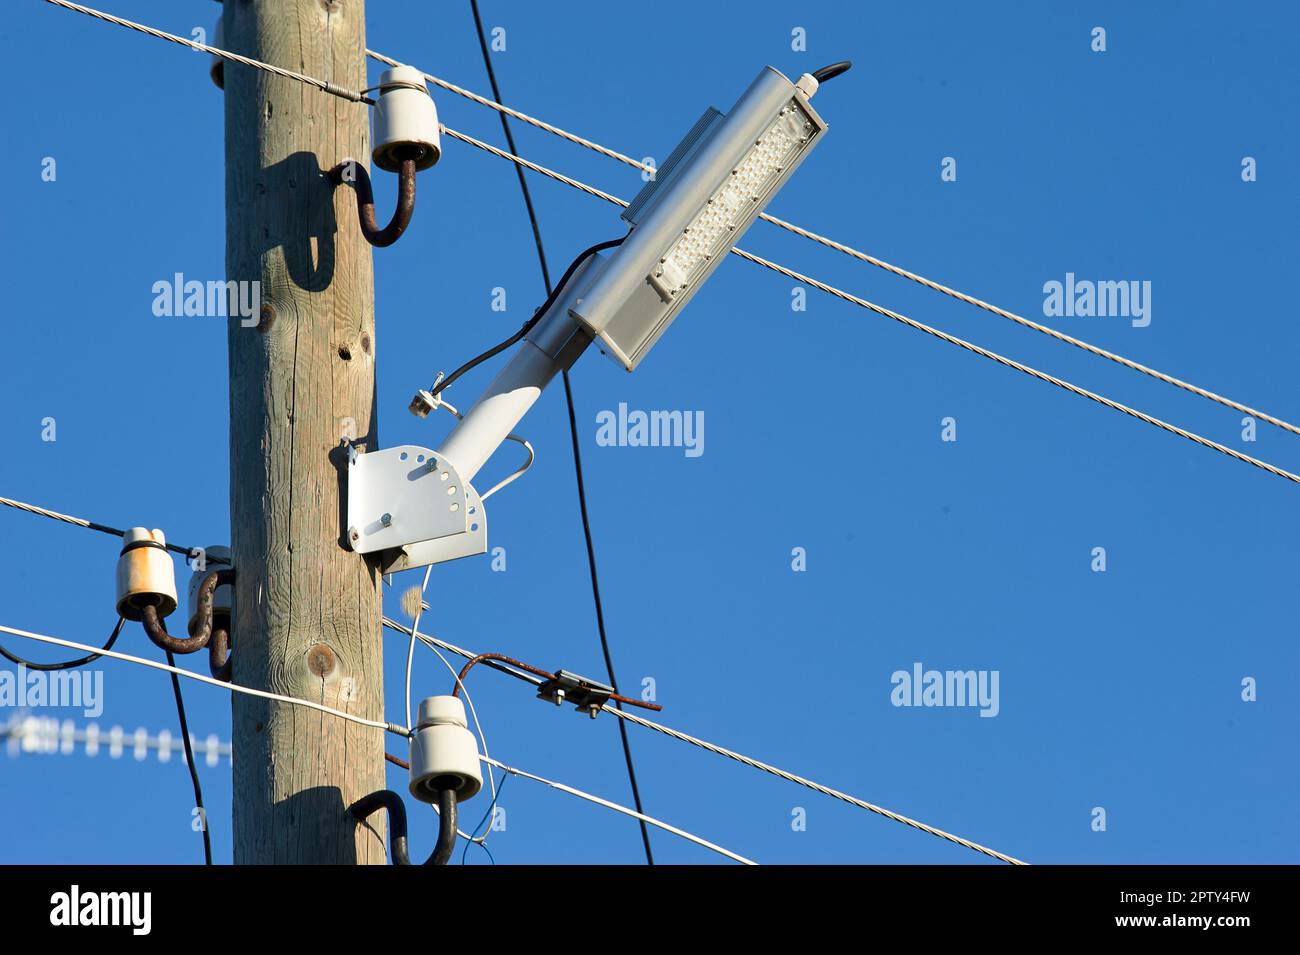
410,657
410,650
232,687
514,771
482,738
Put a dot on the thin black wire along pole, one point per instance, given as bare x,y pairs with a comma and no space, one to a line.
189,759
573,430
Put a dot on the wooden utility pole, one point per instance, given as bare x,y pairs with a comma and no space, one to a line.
307,609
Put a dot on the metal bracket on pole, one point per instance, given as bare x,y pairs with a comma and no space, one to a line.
410,504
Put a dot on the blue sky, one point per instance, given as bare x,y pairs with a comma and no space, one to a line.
1120,689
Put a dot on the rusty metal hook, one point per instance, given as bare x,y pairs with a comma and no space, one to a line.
201,633
351,171
219,664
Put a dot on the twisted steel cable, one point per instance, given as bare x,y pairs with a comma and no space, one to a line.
910,322
720,751
94,526
323,85
355,96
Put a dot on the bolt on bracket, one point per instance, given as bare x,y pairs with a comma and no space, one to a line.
410,505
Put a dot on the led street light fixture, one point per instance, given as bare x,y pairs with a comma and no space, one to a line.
709,191
413,506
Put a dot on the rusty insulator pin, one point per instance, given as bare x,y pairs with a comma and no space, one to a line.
351,171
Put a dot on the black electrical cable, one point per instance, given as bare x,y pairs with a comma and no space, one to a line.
528,325
189,759
386,799
510,141
832,71
448,811
573,428
448,803
66,664
600,615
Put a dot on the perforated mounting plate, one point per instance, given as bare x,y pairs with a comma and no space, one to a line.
469,543
405,495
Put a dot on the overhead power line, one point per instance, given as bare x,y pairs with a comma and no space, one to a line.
513,771
360,97
816,787
232,687
723,751
323,85
790,273
94,526
401,731
912,323
864,257
21,661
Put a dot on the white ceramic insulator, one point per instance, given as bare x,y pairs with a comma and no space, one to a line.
406,121
442,748
146,575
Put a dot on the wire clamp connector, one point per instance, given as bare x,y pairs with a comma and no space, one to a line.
426,402
587,695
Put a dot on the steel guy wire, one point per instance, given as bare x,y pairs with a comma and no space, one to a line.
513,771
324,86
816,787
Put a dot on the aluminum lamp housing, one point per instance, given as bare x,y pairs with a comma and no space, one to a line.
710,190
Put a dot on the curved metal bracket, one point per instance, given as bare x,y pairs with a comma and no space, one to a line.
353,172
410,505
